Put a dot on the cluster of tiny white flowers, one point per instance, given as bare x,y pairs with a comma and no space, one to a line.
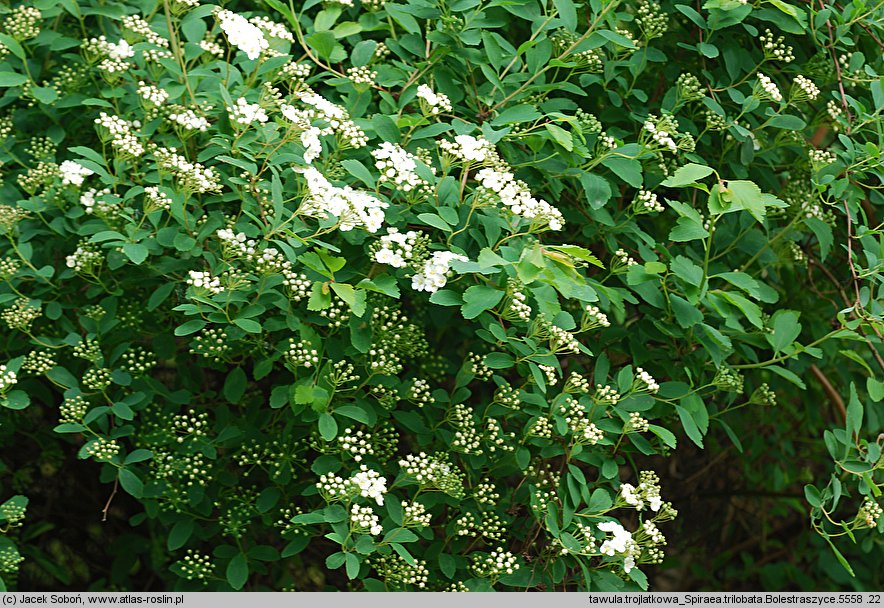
821,158
204,282
188,119
155,200
192,176
332,117
645,381
576,383
396,248
486,493
398,166
112,56
190,424
552,376
272,28
211,47
21,314
268,261
361,75
357,443
435,272
97,378
661,136
363,519
647,492
196,565
468,149
103,449
245,113
431,102
93,201
38,362
637,423
560,340
623,258
769,88
517,306
120,134
73,173
805,88
415,514
496,564
518,199
246,36
85,259
23,23
371,484
870,512
606,394
774,48
646,202
333,487
593,317
302,354
353,208
139,26
620,543
420,393
154,95
466,437
7,378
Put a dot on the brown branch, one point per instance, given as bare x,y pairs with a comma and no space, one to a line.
834,397
109,501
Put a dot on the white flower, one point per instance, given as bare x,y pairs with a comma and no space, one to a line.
435,103
619,542
806,87
240,33
353,208
468,148
371,484
245,113
435,272
73,173
769,87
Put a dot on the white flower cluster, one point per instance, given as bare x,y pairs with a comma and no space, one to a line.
662,136
192,176
332,118
302,354
435,272
112,56
363,519
623,258
139,26
371,484
396,248
93,202
155,200
7,378
468,149
645,381
821,158
514,194
204,282
415,514
431,102
518,307
84,259
361,75
272,28
774,48
398,166
352,208
769,89
606,394
152,94
268,261
646,494
190,120
646,202
73,173
620,543
593,317
244,113
498,563
120,134
637,423
246,36
804,88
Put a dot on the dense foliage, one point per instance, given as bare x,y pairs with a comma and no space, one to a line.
430,295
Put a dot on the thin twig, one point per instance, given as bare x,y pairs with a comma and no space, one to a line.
109,501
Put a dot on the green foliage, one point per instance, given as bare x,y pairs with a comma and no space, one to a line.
288,276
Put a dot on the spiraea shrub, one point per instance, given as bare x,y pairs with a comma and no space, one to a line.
425,295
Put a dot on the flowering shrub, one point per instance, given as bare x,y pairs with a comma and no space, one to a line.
419,296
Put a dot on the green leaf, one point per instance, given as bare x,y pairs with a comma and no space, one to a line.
238,571
179,534
130,482
12,79
328,427
446,297
740,195
190,327
786,329
135,252
322,42
499,360
352,563
854,420
788,122
249,325
16,400
687,229
567,13
562,137
627,169
597,189
812,495
235,385
479,298
689,174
